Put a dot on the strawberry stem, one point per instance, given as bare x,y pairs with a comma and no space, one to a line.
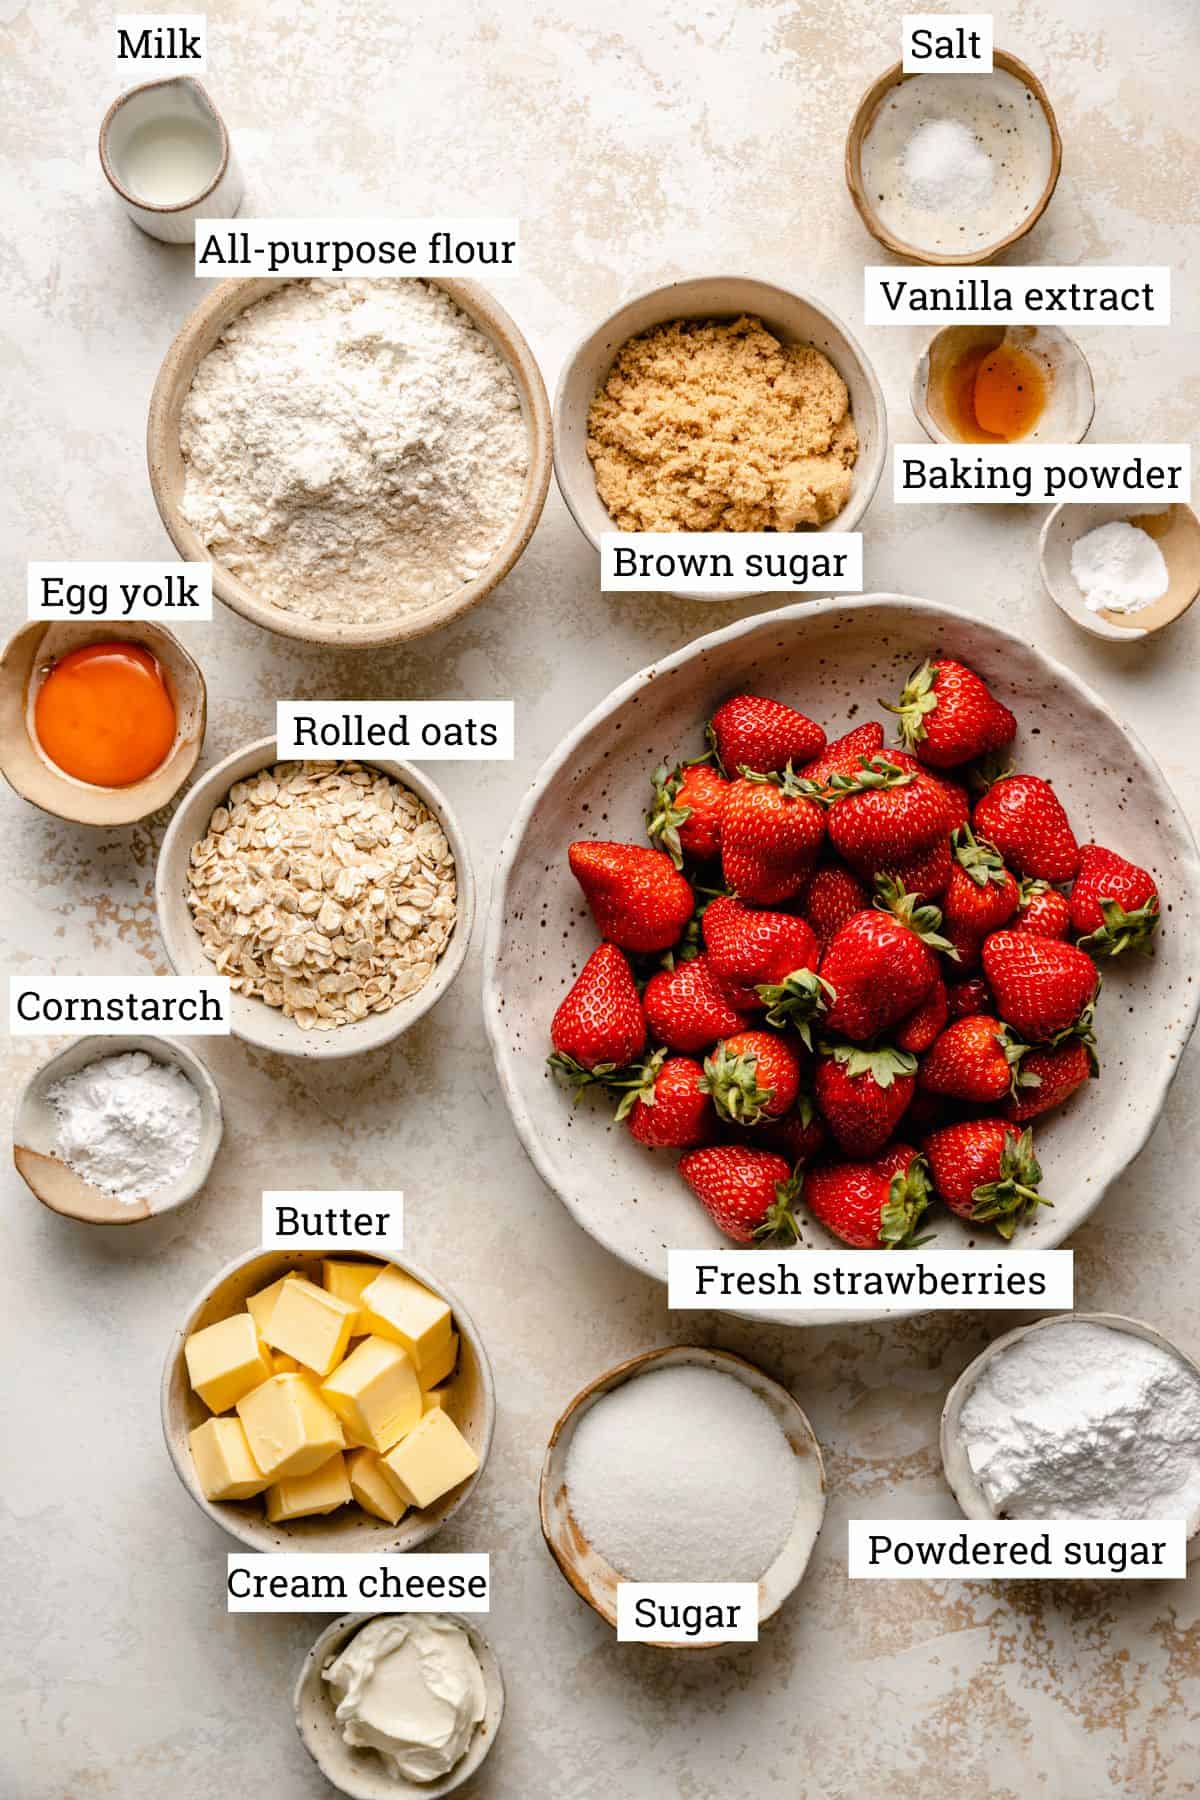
732,1082
917,700
1123,930
907,1199
797,1000
665,817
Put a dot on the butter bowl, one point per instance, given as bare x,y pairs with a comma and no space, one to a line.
470,1402
362,1774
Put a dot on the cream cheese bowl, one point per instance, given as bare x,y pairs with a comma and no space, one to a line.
361,1773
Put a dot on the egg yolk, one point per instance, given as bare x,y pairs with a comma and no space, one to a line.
103,714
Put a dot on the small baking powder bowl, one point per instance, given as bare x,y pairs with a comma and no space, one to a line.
1175,529
27,659
860,125
1070,404
962,1482
793,318
197,336
362,1773
591,1574
471,1403
56,1185
254,1021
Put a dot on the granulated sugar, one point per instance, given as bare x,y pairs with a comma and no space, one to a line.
683,1474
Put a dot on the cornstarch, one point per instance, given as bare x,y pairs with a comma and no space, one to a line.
127,1124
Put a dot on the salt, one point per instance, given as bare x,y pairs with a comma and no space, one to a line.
1118,568
127,1124
947,168
683,1474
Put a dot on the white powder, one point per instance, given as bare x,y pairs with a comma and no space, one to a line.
355,449
127,1124
1118,568
948,169
683,1474
1083,1422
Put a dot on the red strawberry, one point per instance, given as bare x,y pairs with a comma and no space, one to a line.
668,1109
871,1205
958,801
1024,818
638,898
1041,987
973,1059
751,1076
748,1193
948,715
985,1170
923,1024
863,1094
926,874
599,1026
846,755
832,895
1051,1074
686,1009
967,997
685,819
1114,904
1043,911
885,814
748,949
750,732
770,833
881,965
799,1135
980,896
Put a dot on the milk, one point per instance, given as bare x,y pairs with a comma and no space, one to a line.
170,159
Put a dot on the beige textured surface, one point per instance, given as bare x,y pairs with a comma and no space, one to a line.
636,144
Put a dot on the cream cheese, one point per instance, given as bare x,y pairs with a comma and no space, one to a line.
411,1688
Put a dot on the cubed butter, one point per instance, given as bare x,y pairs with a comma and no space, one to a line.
347,1280
440,1364
323,1490
221,1458
397,1307
260,1306
372,1489
435,1397
226,1360
290,1429
284,1365
432,1459
310,1325
375,1393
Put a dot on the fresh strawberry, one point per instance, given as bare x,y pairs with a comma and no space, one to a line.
863,1095
748,1193
1041,987
799,1135
831,896
599,1027
751,1076
1114,904
881,965
1051,1075
770,833
965,998
985,1170
885,814
687,1009
871,1205
748,949
1042,911
927,874
980,896
846,755
668,1109
638,898
974,1059
923,1024
1025,819
958,801
750,732
948,715
685,819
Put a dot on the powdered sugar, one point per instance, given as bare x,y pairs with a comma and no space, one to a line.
355,449
127,1124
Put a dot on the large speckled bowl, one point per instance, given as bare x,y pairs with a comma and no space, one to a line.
833,659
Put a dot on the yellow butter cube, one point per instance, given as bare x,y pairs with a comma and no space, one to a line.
221,1458
226,1360
432,1459
260,1306
375,1393
290,1429
440,1365
321,1491
397,1307
283,1365
310,1325
347,1280
372,1489
435,1397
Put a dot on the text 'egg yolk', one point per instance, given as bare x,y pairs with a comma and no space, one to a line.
103,714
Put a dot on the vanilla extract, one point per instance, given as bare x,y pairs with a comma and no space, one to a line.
985,294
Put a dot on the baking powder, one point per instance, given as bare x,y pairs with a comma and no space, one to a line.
127,1124
1118,568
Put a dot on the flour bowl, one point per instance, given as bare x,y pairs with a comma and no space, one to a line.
832,659
197,336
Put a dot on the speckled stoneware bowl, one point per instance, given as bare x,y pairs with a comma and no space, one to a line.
1070,402
833,659
591,1574
361,1773
959,1475
471,1404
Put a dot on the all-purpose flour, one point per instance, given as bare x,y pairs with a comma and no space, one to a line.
1084,1422
127,1124
355,449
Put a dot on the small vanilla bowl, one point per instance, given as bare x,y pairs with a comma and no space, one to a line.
57,1186
27,660
590,1574
361,1773
1174,528
1070,393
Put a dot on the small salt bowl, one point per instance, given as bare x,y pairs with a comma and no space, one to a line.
1174,528
1070,403
56,1185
